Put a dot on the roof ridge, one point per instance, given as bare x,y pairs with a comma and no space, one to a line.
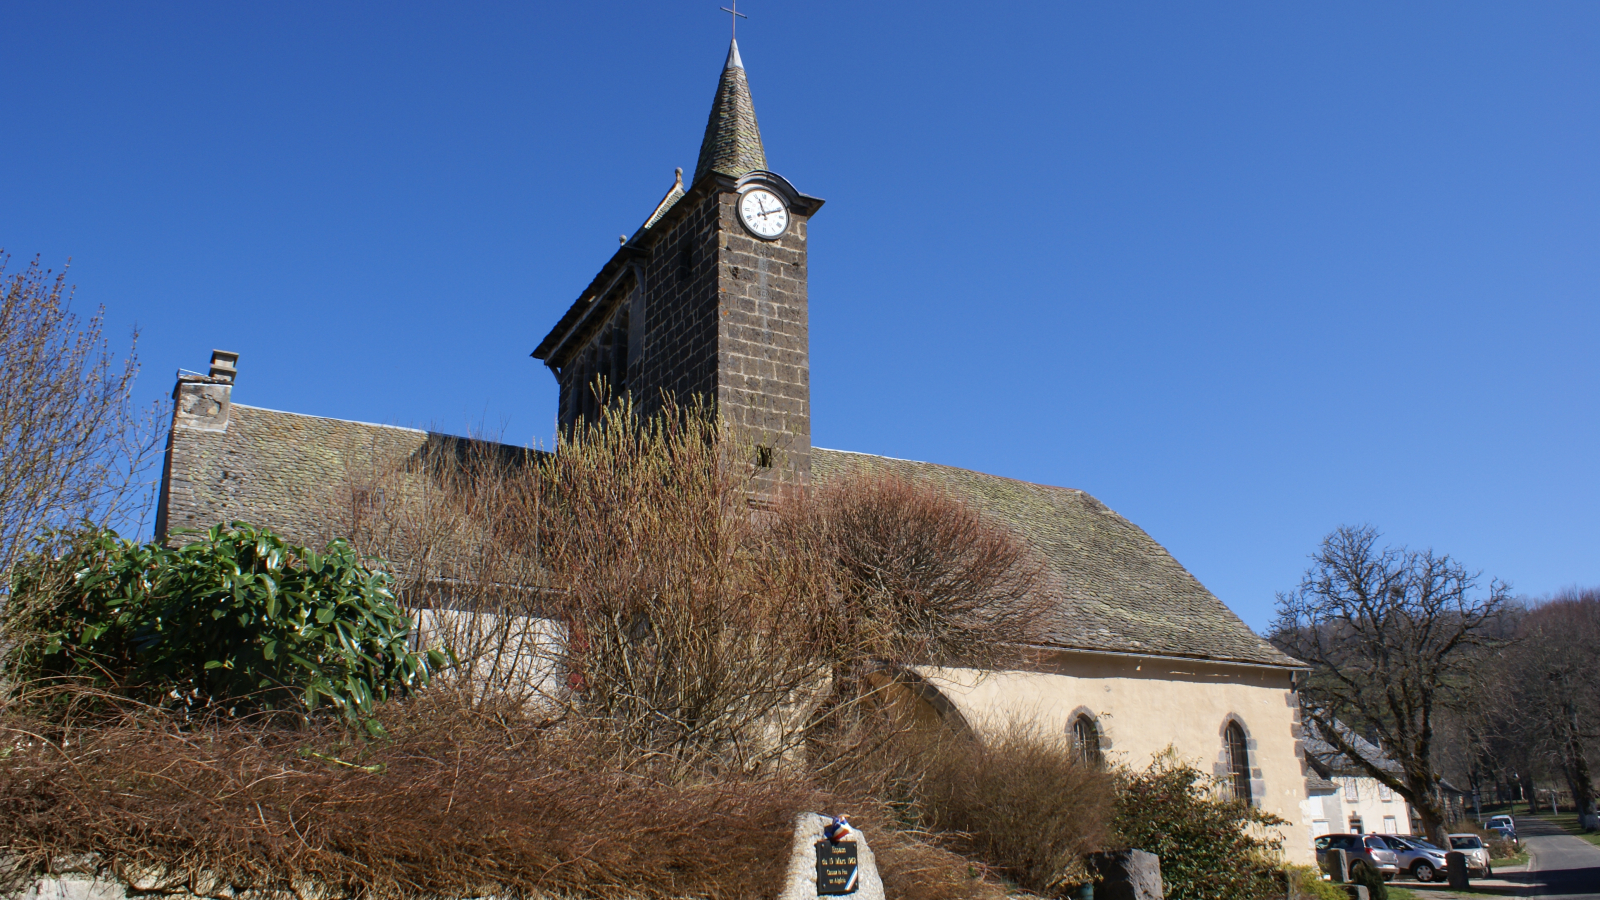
924,462
673,195
284,412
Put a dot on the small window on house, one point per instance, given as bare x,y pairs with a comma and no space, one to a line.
1385,794
1086,740
1356,826
1238,762
764,457
1390,826
1350,793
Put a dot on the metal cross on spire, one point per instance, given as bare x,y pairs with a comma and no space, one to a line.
735,16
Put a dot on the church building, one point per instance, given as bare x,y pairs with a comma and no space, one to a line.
708,297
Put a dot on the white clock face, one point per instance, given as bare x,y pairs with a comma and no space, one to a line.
763,213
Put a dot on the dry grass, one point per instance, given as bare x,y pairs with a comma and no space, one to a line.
456,802
1019,801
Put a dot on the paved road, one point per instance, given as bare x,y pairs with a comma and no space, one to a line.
1561,866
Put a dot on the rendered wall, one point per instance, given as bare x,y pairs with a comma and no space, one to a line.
1362,796
1144,705
1325,813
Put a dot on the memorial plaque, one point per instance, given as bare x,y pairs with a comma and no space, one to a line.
838,868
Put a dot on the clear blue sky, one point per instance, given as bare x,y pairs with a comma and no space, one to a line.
1243,271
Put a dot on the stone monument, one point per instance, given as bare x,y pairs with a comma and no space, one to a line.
827,860
1127,875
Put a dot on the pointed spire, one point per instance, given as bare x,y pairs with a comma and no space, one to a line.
732,144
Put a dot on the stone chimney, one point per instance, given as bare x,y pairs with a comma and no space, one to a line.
202,402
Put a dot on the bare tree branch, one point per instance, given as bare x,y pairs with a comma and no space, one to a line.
1391,635
72,445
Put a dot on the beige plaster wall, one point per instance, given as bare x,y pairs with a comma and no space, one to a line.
1362,795
1144,705
1325,814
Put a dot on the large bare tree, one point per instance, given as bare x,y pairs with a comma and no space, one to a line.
1553,696
1392,636
72,444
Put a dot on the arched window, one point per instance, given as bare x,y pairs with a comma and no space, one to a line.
1086,740
1238,762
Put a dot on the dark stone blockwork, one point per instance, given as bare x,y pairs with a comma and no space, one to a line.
693,305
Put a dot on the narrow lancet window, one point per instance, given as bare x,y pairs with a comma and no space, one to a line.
1086,740
1238,763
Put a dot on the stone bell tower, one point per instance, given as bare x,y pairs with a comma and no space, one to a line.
707,298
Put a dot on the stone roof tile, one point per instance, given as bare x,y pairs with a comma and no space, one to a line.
1116,588
732,144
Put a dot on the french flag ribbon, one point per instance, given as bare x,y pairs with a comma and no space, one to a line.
838,830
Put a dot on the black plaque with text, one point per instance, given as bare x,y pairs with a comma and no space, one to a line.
837,869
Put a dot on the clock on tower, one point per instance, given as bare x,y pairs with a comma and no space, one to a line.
707,298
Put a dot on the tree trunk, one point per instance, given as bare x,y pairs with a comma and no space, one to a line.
1529,793
1426,804
1578,778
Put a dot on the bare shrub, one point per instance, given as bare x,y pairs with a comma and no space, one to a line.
690,637
72,444
1019,801
632,581
918,575
457,524
913,575
456,801
621,584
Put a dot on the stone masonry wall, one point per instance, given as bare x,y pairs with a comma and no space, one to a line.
718,314
764,373
680,311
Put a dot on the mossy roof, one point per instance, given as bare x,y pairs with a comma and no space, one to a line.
1116,588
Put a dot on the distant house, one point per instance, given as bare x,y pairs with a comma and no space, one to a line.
1454,801
1343,797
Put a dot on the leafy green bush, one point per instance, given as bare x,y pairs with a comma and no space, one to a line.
1210,848
239,618
1367,875
1308,884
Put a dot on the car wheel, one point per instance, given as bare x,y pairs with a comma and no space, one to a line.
1422,872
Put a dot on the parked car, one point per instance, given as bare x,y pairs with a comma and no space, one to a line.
1477,853
1505,825
1364,850
1423,860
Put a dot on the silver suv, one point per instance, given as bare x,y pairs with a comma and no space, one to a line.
1367,850
1423,860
